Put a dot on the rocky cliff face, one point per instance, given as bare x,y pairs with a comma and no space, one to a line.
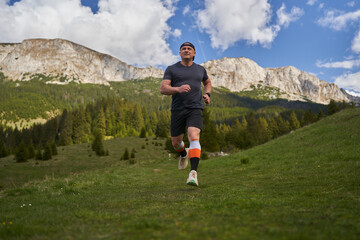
63,59
241,74
60,58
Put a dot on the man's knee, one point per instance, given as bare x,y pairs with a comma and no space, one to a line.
193,133
176,141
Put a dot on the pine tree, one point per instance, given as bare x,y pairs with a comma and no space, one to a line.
81,128
50,128
320,115
283,125
47,152
133,153
143,133
136,118
65,129
308,118
332,107
126,155
31,150
110,122
153,119
100,127
293,121
256,130
163,126
98,146
265,133
38,155
273,128
21,152
54,151
209,135
3,151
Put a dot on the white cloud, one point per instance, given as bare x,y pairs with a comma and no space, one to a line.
351,4
311,2
228,21
350,81
177,33
285,18
337,20
356,94
133,31
186,10
348,64
356,43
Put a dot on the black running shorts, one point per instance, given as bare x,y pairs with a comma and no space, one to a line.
187,117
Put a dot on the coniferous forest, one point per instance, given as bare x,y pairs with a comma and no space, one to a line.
92,113
116,117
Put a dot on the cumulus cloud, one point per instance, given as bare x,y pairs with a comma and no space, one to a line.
350,81
228,21
133,31
356,94
186,10
285,18
177,33
356,43
337,20
348,64
311,2
351,4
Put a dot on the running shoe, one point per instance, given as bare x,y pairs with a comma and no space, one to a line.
183,161
192,179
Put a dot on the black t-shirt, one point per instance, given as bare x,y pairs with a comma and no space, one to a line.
180,75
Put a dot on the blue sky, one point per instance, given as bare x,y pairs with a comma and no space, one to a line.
317,36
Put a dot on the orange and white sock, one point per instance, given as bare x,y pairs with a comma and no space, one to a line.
194,153
181,149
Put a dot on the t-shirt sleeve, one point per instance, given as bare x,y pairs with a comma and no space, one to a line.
205,77
167,74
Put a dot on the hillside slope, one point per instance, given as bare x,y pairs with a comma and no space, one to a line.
304,185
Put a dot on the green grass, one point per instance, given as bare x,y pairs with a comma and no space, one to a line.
305,185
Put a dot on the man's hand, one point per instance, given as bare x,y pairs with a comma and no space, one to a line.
184,88
206,98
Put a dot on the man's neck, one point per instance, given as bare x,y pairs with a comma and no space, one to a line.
186,63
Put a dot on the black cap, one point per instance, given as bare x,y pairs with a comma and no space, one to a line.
187,44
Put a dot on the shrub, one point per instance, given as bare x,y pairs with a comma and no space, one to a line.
244,160
126,155
38,155
21,152
47,152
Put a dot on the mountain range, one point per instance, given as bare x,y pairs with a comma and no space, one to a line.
64,61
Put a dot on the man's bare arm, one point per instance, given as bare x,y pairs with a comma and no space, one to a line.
207,89
167,89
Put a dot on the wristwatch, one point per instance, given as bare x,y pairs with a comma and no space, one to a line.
208,94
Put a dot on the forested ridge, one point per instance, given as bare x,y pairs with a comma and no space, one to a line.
136,108
118,117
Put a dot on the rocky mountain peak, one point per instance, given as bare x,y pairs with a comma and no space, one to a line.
242,74
62,58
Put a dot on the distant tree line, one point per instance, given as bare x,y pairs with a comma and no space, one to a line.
118,117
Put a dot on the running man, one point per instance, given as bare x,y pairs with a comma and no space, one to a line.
183,81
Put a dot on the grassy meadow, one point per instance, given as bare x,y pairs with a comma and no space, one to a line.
304,185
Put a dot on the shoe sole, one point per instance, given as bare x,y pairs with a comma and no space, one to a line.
192,183
182,168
